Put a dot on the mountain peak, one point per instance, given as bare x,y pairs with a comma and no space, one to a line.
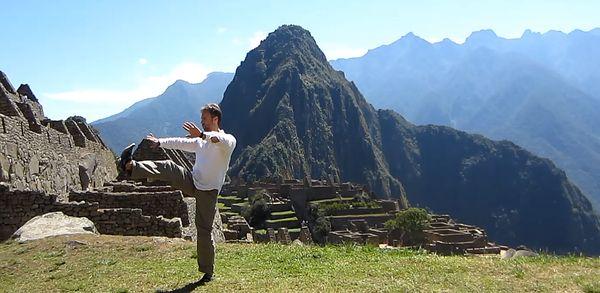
410,39
284,42
529,34
180,82
290,30
446,43
410,35
288,34
482,37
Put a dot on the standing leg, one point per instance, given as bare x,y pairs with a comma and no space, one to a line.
206,206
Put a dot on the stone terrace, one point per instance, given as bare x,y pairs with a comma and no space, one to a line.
290,204
19,206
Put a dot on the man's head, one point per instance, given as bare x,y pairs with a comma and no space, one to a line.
211,117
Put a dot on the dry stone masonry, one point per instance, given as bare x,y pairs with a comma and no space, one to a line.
351,220
40,154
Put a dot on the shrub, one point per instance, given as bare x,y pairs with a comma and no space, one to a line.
319,225
409,224
332,207
258,210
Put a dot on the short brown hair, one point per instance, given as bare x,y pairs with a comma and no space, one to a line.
214,110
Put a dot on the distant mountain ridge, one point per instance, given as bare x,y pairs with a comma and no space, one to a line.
295,116
540,90
162,115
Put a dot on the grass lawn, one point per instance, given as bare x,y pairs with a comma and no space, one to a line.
358,216
329,200
284,213
292,219
147,264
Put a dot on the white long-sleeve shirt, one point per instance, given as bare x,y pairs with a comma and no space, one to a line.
212,159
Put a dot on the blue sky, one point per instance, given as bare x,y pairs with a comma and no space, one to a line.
95,58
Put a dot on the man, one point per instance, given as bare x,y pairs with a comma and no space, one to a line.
213,148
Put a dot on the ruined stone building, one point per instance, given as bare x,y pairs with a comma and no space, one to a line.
40,154
63,165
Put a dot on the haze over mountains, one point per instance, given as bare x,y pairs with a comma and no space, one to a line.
540,91
294,115
162,115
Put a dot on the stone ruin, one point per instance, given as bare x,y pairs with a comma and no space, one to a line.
446,236
352,225
359,232
40,154
291,197
282,235
63,165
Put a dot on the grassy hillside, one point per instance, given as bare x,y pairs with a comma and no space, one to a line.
146,264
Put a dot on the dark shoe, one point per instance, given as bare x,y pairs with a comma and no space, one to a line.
126,157
206,278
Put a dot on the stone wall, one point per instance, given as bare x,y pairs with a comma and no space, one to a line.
49,160
342,223
19,206
169,204
43,155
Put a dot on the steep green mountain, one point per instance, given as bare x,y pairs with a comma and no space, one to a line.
162,115
295,115
537,90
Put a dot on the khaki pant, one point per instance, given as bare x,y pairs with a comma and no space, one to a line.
206,201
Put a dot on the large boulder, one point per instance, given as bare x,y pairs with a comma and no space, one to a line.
53,224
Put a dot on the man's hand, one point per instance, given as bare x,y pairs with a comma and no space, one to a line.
154,143
192,129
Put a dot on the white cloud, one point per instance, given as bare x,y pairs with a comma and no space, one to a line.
142,61
335,51
254,41
236,41
221,30
146,87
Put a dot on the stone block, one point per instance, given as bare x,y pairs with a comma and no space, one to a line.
12,150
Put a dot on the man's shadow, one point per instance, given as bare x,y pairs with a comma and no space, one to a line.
185,289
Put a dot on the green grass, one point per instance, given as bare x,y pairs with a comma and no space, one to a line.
229,213
337,199
283,220
223,208
143,264
284,213
357,216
